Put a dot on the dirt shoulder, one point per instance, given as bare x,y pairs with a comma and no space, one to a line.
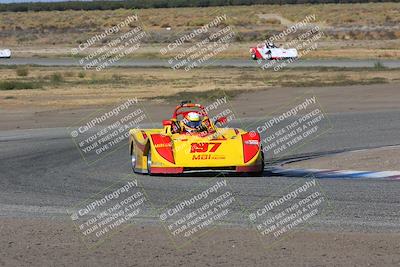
71,87
378,159
57,109
43,242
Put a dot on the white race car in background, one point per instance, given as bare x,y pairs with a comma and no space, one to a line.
271,51
5,53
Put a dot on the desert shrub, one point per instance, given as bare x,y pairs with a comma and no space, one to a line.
22,71
18,85
378,65
116,77
56,77
69,74
273,21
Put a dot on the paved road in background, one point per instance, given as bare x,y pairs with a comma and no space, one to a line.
345,63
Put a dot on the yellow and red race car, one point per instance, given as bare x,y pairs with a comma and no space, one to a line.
191,142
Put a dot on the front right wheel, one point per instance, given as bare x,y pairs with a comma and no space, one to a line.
261,171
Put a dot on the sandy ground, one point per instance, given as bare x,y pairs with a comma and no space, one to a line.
40,242
379,159
77,89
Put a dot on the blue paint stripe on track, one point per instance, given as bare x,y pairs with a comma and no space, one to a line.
332,174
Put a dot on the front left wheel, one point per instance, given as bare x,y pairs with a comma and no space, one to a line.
133,160
149,163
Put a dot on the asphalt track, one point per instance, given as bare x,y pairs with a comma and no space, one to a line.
43,175
339,63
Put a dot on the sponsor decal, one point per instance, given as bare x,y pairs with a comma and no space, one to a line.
162,145
251,142
207,157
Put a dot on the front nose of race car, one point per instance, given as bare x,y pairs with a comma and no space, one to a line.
255,54
195,153
208,153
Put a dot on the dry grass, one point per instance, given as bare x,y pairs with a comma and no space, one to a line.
73,26
54,33
355,53
328,14
71,89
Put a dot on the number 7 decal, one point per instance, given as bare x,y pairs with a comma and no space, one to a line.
203,147
215,146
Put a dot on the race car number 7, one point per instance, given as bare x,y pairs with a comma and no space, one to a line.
204,147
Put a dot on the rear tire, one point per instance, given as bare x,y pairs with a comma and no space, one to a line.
261,171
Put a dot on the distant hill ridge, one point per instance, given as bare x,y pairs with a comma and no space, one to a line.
130,4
